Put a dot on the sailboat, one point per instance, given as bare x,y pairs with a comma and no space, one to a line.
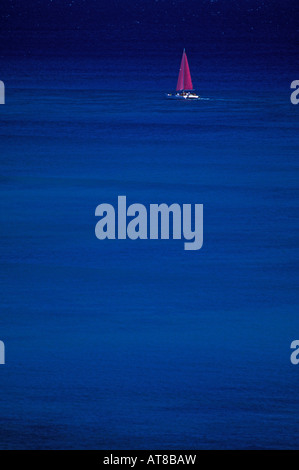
184,88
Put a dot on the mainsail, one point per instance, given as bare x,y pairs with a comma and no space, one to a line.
184,80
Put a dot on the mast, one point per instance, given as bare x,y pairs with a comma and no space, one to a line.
184,55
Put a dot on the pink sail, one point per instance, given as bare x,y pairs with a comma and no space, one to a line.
184,80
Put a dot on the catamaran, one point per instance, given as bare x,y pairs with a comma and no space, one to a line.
184,88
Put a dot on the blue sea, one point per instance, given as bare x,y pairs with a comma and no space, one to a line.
122,344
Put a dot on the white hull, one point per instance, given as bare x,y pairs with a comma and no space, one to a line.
183,96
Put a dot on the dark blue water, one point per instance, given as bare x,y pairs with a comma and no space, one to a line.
140,344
